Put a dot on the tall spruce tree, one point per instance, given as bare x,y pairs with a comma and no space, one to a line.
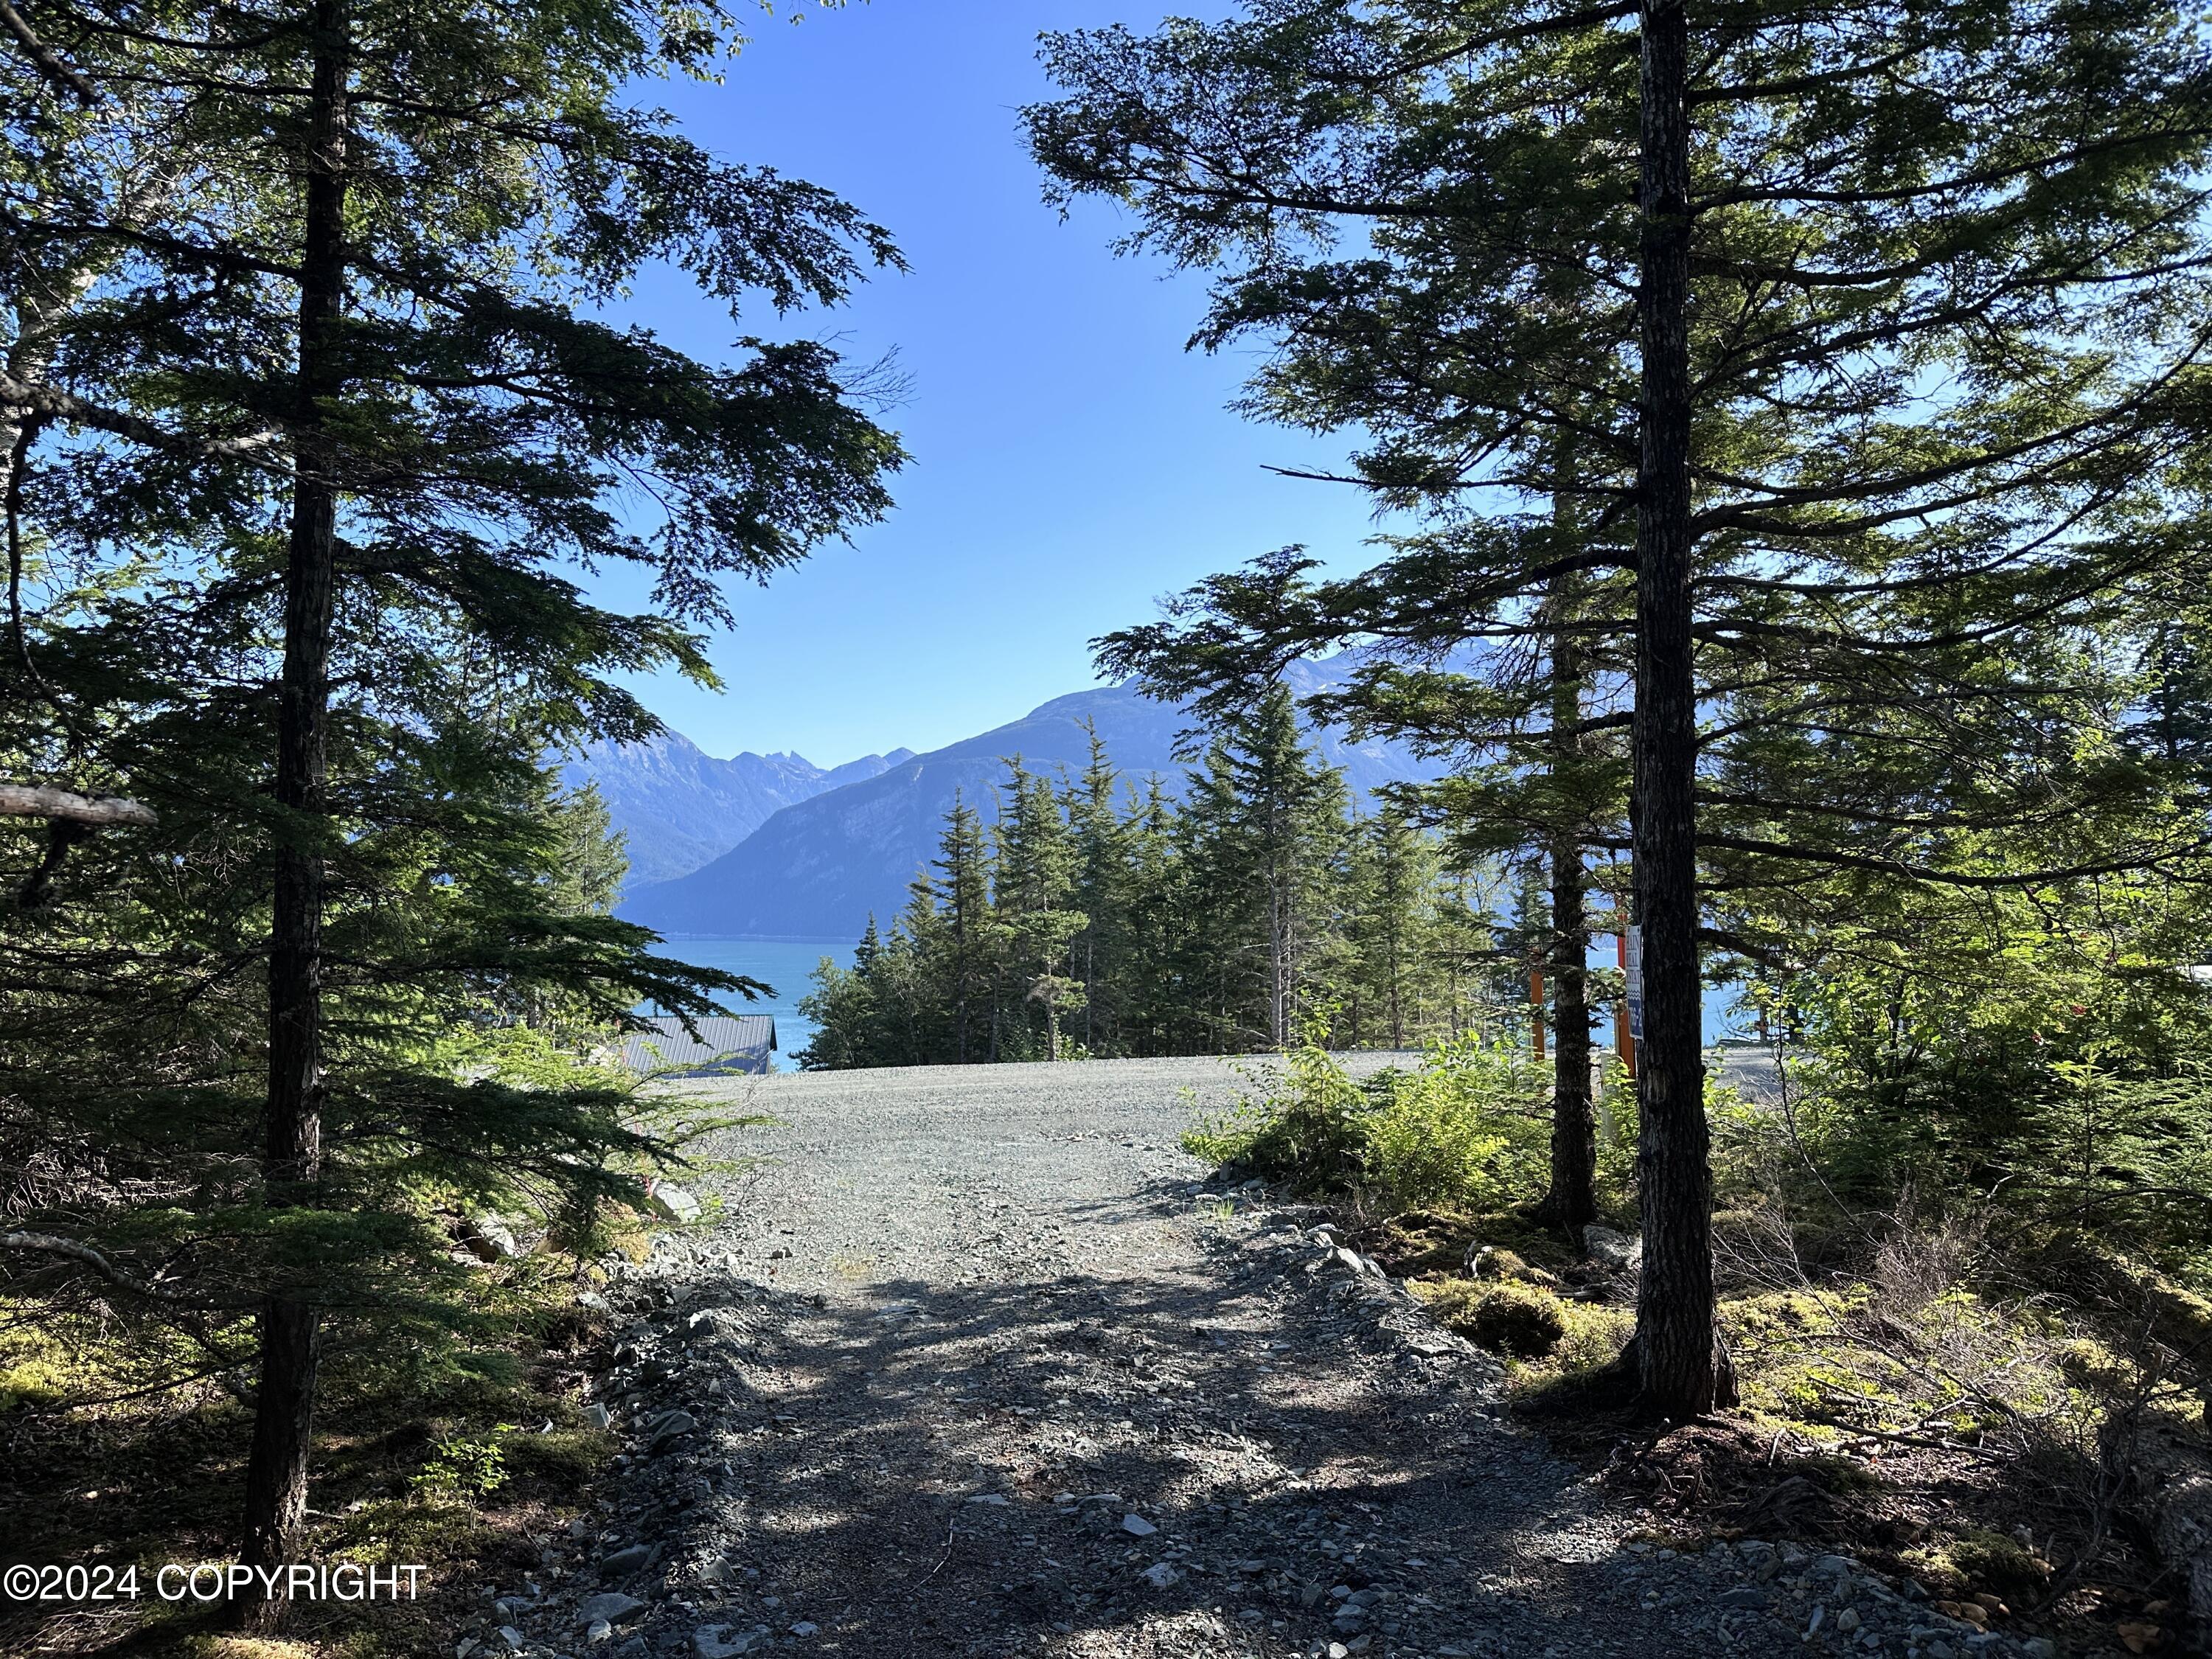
339,409
1887,386
1102,834
969,933
1033,891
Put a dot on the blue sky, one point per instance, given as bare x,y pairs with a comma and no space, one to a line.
1072,461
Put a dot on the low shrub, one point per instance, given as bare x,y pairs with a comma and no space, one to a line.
1468,1128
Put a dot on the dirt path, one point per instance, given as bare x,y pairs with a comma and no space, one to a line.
974,1367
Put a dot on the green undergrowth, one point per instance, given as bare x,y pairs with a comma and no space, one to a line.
1465,1128
448,1460
1964,1283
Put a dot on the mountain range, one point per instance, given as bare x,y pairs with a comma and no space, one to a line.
678,807
845,843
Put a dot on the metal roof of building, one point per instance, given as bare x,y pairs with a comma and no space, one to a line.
739,1043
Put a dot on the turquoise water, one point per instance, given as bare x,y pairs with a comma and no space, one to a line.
786,964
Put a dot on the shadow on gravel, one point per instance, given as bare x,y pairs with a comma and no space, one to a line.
1104,1465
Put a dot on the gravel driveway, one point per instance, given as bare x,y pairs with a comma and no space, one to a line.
974,1366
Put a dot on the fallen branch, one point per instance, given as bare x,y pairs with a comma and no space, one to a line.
26,800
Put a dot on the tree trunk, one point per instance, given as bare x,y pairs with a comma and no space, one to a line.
1681,1371
1571,1203
276,1475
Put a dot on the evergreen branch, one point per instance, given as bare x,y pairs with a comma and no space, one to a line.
2149,859
66,406
2038,167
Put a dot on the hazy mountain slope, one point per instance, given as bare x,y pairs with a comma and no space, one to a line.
679,807
818,869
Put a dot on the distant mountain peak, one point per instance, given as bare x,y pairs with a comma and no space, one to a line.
818,867
679,808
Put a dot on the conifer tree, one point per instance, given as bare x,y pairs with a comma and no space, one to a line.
1701,274
340,410
969,933
1033,888
1390,925
1102,837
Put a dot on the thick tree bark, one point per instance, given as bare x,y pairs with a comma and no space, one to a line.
1681,1371
276,1475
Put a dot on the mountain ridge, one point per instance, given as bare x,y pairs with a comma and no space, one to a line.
819,867
678,807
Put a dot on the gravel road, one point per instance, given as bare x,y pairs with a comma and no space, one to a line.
973,1363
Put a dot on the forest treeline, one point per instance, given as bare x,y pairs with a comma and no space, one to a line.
1099,916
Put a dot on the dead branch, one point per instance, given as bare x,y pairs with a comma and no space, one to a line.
30,800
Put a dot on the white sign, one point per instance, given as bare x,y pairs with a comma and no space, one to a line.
1633,966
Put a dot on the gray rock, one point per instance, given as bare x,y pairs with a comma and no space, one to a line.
628,1560
667,1427
1358,1265
2040,1647
612,1604
490,1239
672,1203
599,1630
1616,1250
726,1641
1137,1527
514,1638
597,1416
1745,1597
1160,1574
806,1627
1848,1620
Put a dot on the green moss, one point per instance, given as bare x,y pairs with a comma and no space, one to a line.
1504,1264
1519,1319
426,1527
1977,1559
1837,1475
561,1461
33,1384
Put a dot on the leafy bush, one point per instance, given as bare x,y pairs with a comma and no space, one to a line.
465,1466
1306,1128
1469,1127
1465,1128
